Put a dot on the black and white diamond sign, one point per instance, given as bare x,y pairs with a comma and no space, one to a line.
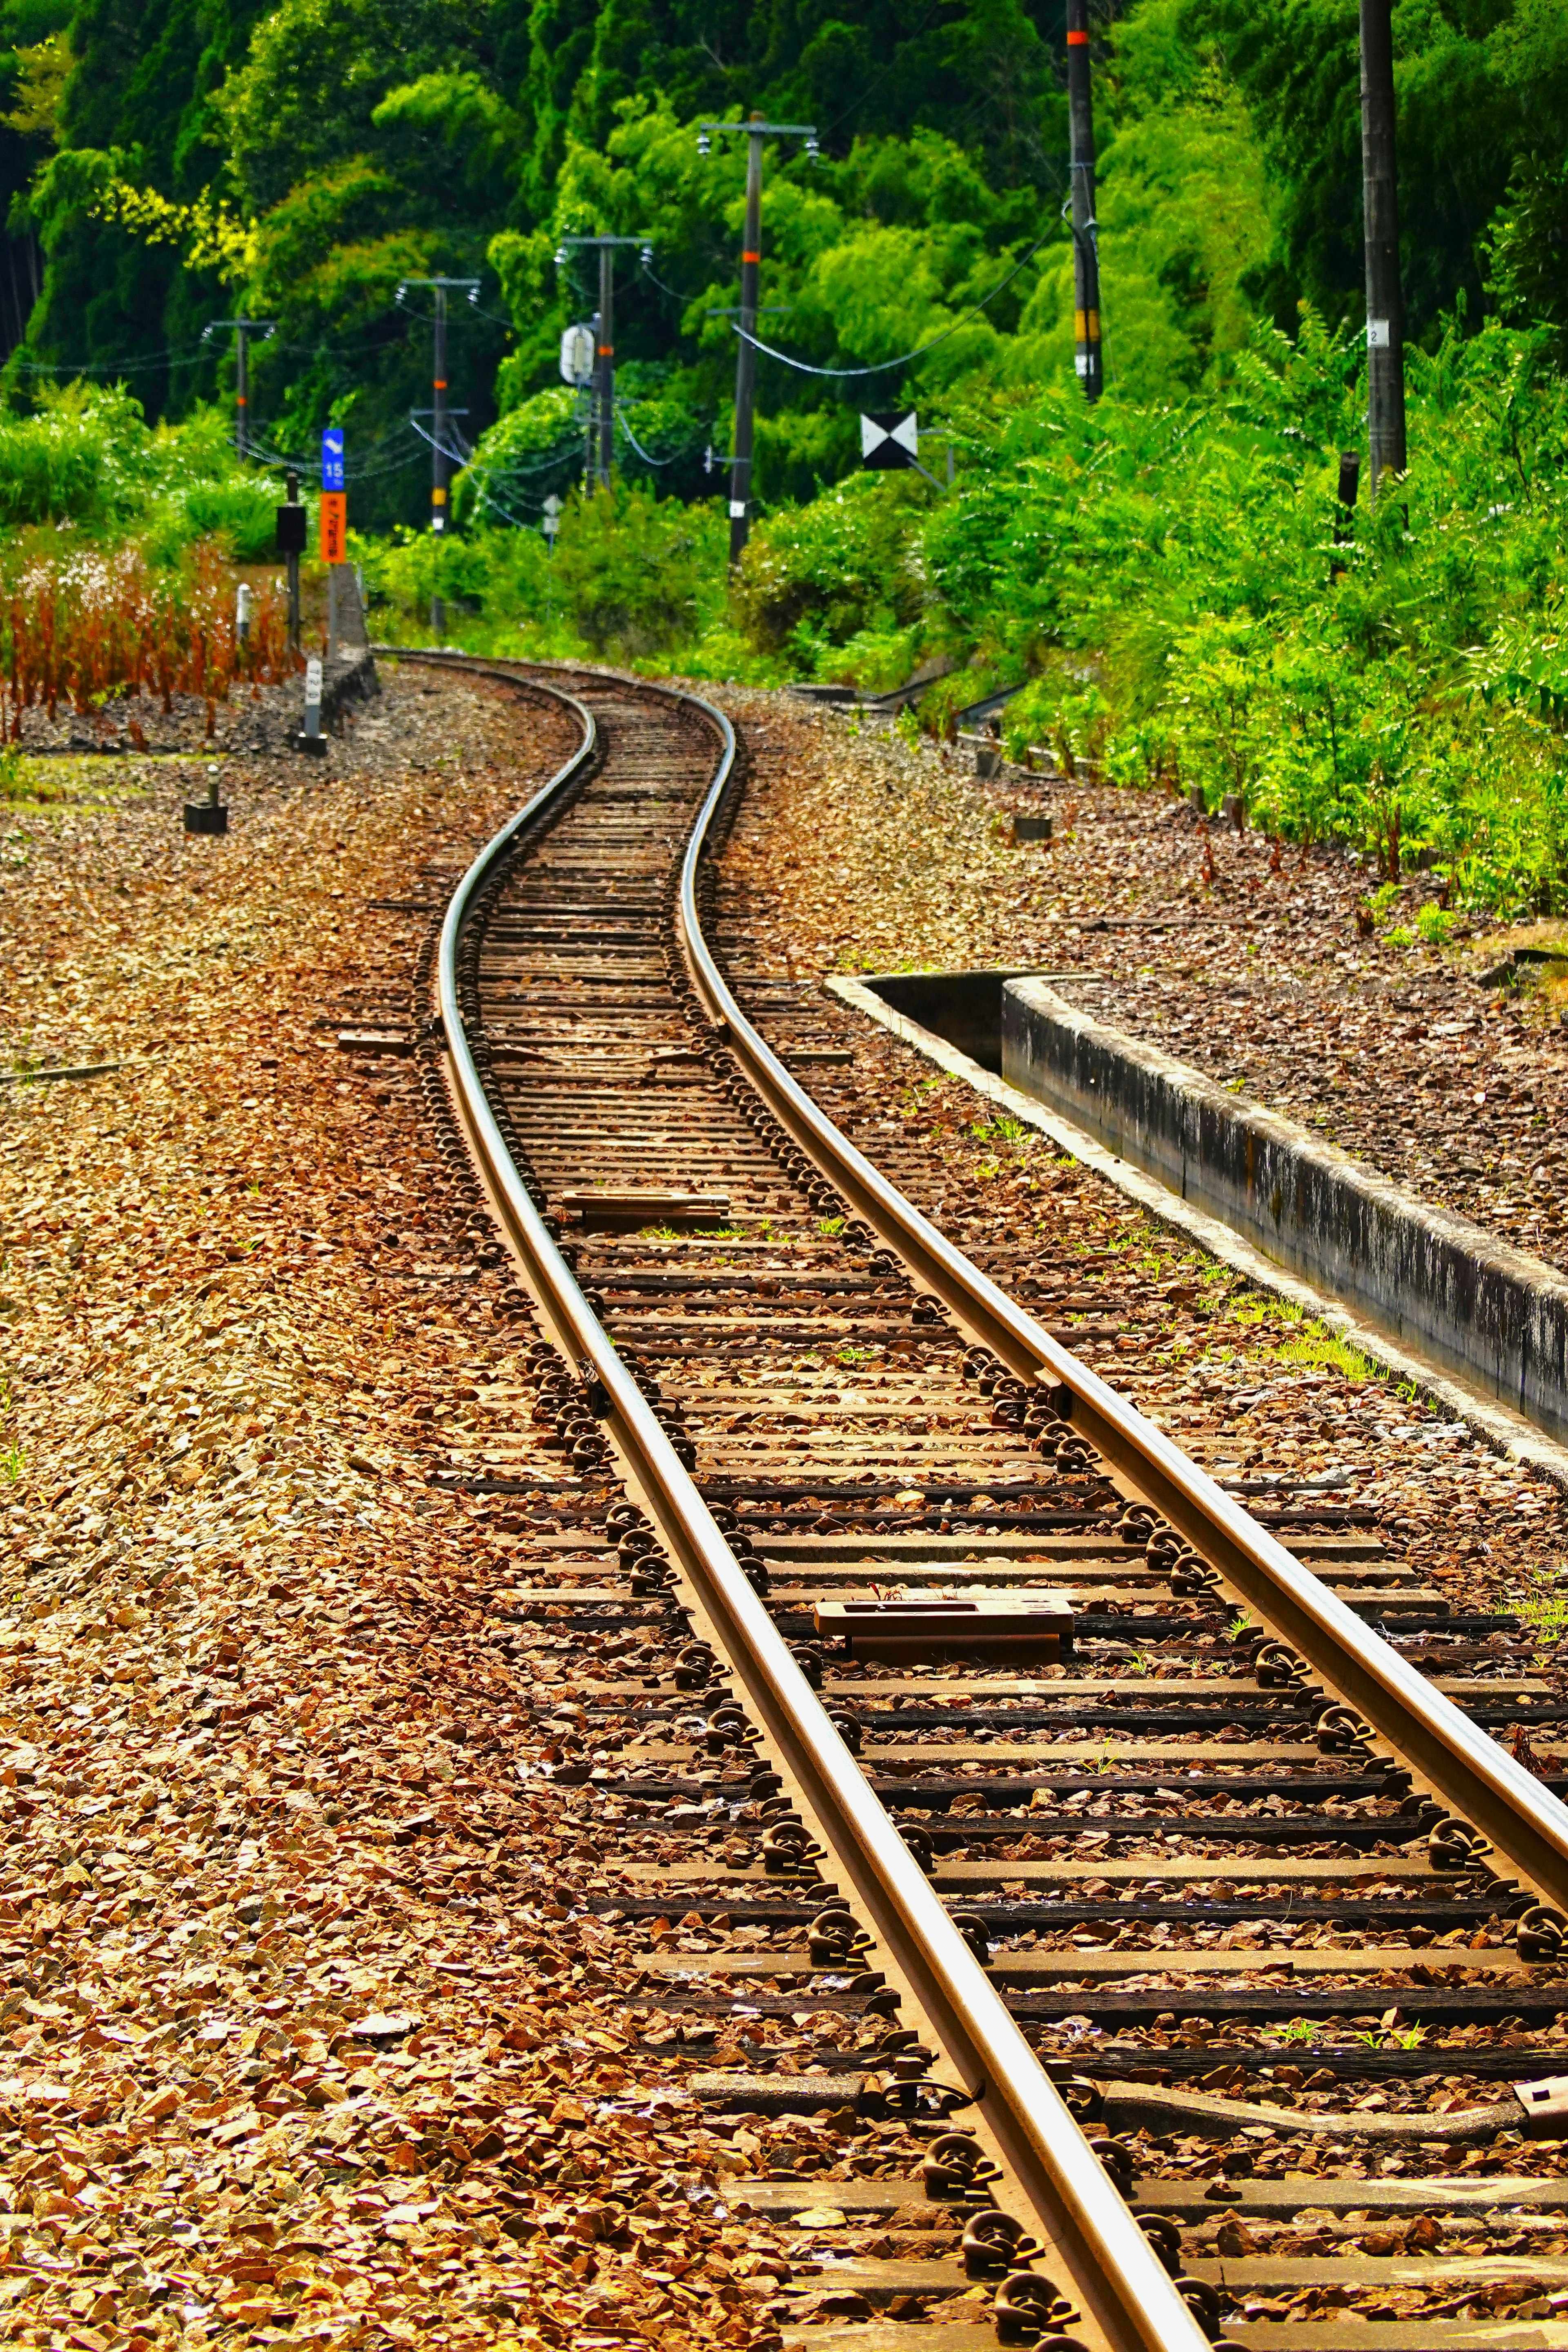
889,441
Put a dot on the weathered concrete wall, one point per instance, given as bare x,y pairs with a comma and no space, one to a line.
1445,1285
965,1007
350,678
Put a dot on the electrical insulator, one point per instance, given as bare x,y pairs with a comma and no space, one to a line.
813,151
704,143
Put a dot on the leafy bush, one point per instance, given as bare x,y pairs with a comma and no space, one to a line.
629,568
1167,578
242,514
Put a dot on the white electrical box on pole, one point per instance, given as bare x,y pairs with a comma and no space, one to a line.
577,355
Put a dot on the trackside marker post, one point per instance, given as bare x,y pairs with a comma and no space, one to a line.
209,815
311,741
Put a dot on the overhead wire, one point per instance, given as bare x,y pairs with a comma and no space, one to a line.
648,459
882,367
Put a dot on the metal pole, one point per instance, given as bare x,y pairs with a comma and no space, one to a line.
1085,228
242,393
438,456
593,389
1385,299
293,493
606,350
746,357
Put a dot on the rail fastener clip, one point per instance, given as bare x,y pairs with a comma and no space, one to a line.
983,1624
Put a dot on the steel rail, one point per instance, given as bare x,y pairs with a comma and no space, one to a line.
1466,1768
1113,2266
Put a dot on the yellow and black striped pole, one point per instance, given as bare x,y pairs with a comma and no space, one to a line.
1085,229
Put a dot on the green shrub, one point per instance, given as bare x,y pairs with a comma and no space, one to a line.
628,569
243,514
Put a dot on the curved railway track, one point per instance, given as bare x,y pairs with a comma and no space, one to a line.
1162,1930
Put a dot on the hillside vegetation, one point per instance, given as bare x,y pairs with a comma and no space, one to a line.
1162,572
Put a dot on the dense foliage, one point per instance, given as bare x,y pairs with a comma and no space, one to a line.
175,161
1163,575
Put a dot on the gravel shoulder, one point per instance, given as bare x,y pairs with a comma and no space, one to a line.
298,2039
1249,959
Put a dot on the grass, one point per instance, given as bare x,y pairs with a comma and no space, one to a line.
1322,1351
1546,1614
13,1462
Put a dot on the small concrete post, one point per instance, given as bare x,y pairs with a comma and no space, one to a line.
312,743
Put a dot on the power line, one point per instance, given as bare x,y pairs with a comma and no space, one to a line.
637,445
804,367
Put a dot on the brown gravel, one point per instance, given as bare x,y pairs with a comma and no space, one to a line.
1257,972
837,862
297,2039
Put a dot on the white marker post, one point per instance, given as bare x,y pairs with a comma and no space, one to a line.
312,743
550,526
242,611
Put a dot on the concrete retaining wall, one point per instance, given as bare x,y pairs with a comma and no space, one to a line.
350,678
1445,1285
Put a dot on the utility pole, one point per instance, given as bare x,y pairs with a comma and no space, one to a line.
439,410
1379,202
1085,228
242,331
755,130
604,397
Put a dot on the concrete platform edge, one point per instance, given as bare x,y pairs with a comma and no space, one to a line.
1506,1431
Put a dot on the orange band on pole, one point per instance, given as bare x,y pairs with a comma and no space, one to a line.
751,256
1077,40
441,384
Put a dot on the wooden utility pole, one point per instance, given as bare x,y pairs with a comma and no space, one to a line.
602,404
439,410
1085,228
755,130
605,355
243,330
1384,299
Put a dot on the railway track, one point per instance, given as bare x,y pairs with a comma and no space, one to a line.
1055,1870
